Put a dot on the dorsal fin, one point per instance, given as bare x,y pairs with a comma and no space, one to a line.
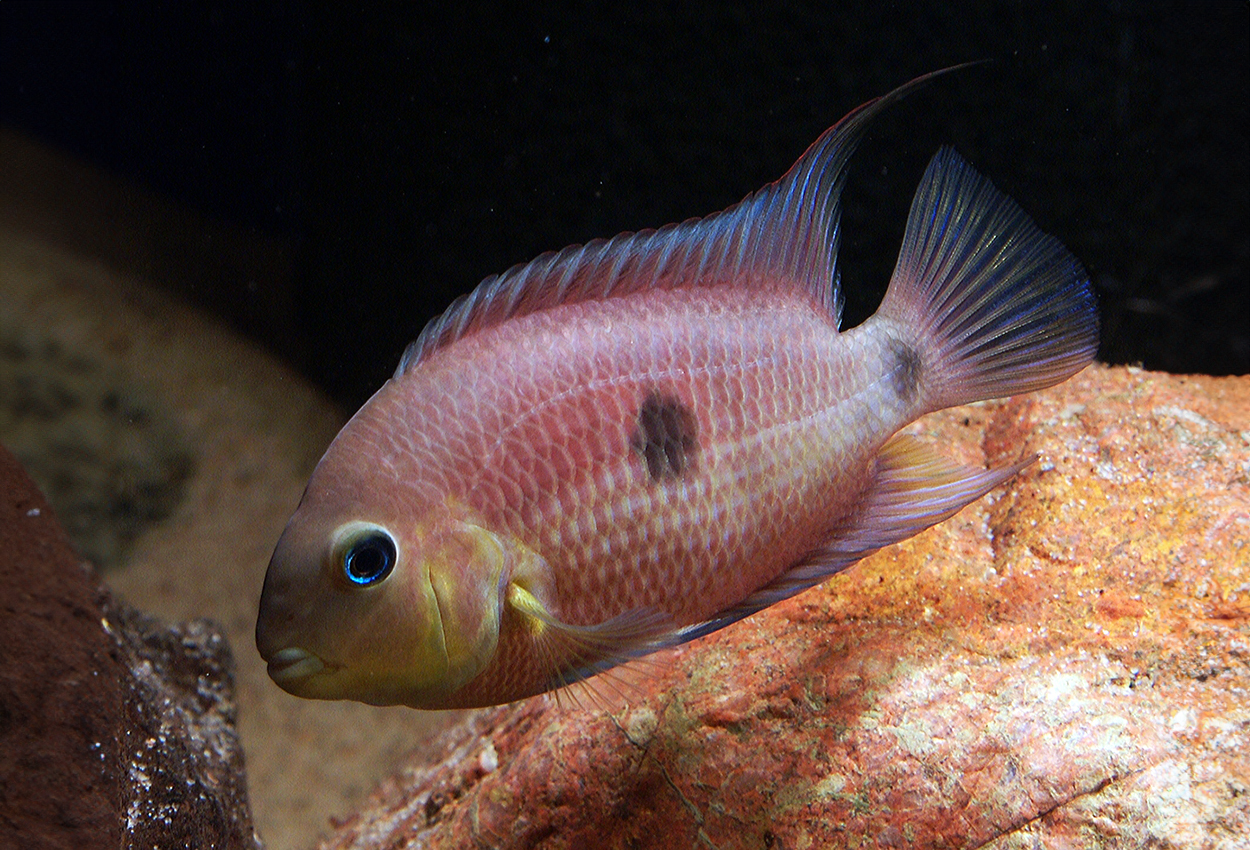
786,234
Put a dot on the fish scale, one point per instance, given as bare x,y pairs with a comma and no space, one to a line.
635,442
764,452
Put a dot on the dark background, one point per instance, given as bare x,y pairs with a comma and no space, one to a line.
398,156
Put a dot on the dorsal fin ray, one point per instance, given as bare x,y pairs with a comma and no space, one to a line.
784,235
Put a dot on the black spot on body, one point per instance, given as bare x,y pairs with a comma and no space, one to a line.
906,370
666,436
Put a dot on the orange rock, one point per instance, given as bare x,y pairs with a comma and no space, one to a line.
1066,663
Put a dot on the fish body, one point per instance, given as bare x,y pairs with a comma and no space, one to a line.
635,442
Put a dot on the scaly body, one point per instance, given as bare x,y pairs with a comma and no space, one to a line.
782,417
635,442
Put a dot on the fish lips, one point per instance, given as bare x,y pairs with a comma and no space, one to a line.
293,664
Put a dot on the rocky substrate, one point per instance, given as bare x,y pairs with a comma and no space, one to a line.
173,453
1064,664
115,730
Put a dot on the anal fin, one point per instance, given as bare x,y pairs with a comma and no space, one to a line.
914,488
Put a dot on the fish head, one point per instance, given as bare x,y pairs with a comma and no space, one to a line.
373,598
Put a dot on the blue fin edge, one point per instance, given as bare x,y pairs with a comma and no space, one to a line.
785,235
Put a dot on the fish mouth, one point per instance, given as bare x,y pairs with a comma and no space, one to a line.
293,664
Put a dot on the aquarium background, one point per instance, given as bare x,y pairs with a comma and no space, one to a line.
363,165
324,178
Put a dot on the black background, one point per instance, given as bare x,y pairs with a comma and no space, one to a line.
401,155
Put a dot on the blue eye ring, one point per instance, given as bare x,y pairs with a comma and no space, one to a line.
368,557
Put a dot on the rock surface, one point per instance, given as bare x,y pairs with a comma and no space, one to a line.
115,731
1064,664
125,385
185,784
61,766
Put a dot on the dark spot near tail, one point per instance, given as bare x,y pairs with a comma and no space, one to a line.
666,436
907,371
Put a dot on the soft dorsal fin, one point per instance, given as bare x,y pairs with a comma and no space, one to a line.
786,234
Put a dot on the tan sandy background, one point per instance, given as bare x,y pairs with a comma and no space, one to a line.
177,448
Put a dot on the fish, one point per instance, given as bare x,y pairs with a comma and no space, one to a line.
638,441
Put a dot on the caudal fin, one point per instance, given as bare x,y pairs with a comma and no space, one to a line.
996,306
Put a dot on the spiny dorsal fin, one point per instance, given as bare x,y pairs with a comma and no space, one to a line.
786,234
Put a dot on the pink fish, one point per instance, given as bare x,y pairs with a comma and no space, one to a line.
635,442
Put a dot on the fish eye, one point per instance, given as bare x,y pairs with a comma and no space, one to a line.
368,557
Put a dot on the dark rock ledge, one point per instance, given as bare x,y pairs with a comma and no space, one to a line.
115,730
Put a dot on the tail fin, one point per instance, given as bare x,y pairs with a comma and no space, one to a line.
996,306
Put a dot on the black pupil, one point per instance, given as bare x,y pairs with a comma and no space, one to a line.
370,559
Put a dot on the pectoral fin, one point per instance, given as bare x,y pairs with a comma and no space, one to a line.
572,653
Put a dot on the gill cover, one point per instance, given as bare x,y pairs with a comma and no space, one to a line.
381,612
435,624
467,575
